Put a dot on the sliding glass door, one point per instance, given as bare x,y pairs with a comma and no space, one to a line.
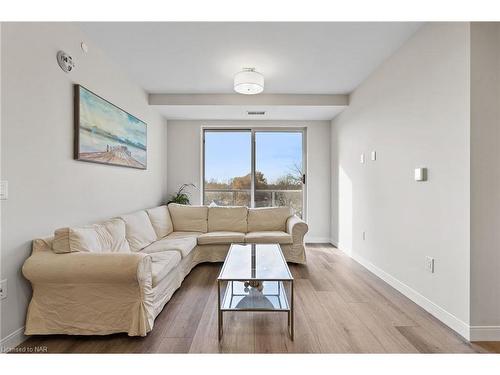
254,167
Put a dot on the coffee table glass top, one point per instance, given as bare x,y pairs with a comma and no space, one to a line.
255,262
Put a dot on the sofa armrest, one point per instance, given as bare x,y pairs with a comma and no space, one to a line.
296,227
88,268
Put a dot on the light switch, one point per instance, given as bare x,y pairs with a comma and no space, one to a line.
3,289
362,159
374,155
4,190
420,174
429,264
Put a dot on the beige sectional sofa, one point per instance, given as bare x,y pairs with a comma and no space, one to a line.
117,275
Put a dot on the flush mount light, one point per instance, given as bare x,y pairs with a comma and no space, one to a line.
248,82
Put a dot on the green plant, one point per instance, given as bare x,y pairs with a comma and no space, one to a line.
180,196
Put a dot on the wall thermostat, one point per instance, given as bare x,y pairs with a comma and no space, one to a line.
65,61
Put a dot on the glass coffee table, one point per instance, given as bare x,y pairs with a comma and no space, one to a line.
256,278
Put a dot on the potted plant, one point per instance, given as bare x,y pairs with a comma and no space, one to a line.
180,196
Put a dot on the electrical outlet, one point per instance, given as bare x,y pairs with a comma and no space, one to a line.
3,289
362,158
429,264
364,235
374,155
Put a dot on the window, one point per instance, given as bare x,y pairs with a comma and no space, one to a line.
228,166
254,167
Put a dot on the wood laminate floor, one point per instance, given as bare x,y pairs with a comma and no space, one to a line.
340,307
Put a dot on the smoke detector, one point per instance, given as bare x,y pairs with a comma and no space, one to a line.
65,61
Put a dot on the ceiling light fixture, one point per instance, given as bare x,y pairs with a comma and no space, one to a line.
248,82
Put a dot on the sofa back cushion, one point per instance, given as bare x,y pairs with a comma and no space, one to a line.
268,218
228,219
108,236
189,218
139,230
161,221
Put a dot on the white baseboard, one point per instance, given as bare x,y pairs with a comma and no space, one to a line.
485,333
444,316
317,240
9,342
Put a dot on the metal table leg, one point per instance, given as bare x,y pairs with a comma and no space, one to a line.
219,312
291,311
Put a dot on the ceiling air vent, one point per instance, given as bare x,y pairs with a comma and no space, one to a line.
256,113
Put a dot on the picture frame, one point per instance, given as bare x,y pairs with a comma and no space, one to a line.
107,134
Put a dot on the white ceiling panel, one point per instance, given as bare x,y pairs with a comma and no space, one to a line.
295,58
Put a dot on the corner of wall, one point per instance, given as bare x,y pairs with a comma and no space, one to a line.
334,235
484,280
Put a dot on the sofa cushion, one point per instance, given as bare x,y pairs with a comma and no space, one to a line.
182,244
161,221
184,235
269,237
139,230
108,236
69,240
189,218
117,242
268,218
162,264
219,238
231,219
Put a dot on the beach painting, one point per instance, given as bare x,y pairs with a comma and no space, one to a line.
106,134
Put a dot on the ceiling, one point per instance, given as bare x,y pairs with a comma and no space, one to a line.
202,57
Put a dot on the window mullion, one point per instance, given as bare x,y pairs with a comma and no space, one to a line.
252,179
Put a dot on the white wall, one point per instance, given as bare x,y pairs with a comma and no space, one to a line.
485,179
184,164
414,111
47,188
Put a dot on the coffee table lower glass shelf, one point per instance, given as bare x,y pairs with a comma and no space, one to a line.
256,279
241,296
263,296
